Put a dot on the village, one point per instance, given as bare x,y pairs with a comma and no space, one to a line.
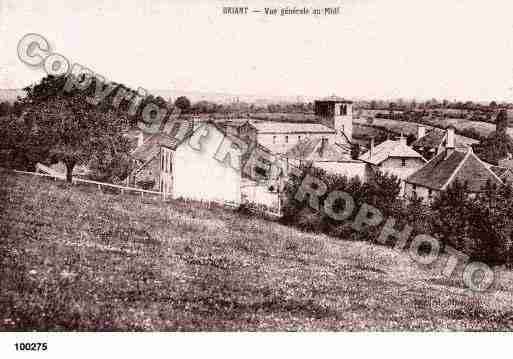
173,166
167,163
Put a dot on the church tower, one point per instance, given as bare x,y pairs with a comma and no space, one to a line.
336,113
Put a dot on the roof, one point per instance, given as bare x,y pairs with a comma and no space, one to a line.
460,166
334,98
437,136
290,127
388,149
151,147
313,150
505,174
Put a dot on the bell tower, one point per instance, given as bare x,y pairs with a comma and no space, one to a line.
336,113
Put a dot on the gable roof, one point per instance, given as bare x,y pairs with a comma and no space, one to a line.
311,149
436,137
290,127
388,149
333,98
440,172
151,146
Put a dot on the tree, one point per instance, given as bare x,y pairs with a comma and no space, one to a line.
74,132
499,144
5,108
183,103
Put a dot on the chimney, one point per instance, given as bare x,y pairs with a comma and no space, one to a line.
449,141
421,131
140,139
402,140
371,148
324,143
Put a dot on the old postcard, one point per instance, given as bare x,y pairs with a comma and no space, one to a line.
221,166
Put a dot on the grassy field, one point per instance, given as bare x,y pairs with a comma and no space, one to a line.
73,258
407,128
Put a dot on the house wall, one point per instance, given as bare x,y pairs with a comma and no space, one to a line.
394,166
149,173
166,170
198,175
258,194
422,192
348,169
248,133
277,143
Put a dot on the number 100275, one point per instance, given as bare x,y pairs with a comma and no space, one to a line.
31,346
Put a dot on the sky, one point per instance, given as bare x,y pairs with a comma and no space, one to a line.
444,49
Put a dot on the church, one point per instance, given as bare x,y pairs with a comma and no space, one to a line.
334,123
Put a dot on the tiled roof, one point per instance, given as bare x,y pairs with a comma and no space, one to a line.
437,136
335,98
290,127
440,172
151,147
387,149
313,150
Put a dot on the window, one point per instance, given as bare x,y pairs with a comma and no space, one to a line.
430,193
286,139
403,162
274,139
299,138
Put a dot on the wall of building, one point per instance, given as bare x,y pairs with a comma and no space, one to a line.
198,175
166,170
150,173
348,169
421,192
395,166
282,142
261,195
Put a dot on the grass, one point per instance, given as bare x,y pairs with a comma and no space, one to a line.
73,258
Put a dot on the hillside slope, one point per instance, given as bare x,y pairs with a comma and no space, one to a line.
73,258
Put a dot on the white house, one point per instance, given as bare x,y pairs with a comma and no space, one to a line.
394,157
207,166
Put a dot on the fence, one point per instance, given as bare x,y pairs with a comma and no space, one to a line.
124,189
262,199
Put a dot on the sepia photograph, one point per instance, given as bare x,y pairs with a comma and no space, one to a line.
258,168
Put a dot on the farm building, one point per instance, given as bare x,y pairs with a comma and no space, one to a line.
431,143
214,173
153,164
447,167
332,157
394,157
333,121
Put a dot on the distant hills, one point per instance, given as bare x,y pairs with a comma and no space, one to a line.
11,95
220,97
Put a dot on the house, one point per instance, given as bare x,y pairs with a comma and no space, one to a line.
447,167
206,166
431,143
505,174
334,118
280,137
153,163
334,158
394,157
